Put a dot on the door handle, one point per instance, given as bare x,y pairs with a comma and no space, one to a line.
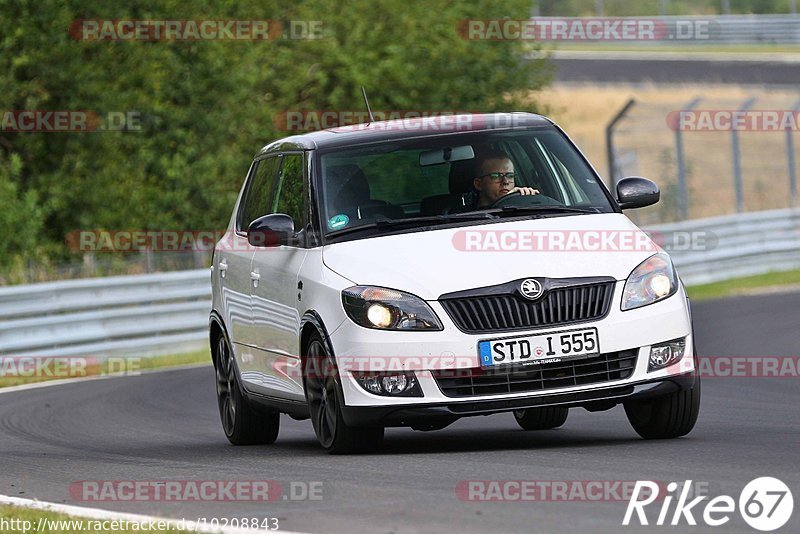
255,277
223,267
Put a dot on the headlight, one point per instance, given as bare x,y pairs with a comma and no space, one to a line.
388,309
653,280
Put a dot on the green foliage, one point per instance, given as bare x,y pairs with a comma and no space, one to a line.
20,215
206,107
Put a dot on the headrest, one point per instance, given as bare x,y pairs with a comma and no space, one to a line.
348,186
462,174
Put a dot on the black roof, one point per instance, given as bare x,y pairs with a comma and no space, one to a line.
406,129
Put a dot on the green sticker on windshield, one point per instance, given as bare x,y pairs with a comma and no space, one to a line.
338,221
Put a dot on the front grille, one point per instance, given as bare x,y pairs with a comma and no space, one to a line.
478,381
497,312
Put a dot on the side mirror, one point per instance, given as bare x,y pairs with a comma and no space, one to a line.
271,230
636,192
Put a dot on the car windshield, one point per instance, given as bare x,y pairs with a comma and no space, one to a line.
456,177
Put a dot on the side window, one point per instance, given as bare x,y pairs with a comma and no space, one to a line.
260,193
570,183
290,198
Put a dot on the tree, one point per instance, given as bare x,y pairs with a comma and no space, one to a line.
206,107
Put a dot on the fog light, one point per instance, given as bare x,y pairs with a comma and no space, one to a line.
372,384
394,384
389,384
666,354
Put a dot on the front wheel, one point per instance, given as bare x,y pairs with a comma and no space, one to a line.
666,416
241,423
325,401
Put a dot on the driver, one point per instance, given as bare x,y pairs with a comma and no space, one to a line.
494,178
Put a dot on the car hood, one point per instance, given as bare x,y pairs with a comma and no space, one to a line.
431,263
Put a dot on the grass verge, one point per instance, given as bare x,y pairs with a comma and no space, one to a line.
21,519
758,284
14,373
646,143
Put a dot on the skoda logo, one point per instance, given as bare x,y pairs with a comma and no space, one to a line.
531,289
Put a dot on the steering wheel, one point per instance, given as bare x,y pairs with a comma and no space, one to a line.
517,199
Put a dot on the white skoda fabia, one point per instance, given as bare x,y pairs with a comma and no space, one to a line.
410,273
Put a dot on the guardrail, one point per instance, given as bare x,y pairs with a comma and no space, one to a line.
758,29
740,29
736,245
137,315
168,312
712,30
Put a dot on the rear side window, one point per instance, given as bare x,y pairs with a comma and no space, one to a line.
290,197
260,195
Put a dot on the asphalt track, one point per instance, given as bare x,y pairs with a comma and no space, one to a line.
679,70
165,426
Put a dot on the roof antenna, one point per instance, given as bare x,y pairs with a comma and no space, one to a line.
364,94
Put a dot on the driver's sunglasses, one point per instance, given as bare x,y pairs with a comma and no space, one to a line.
505,176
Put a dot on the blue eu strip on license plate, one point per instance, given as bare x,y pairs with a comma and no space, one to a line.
485,348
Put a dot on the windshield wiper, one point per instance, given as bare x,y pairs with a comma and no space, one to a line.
516,210
385,222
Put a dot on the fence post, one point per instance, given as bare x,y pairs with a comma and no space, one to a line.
737,162
612,170
599,8
791,162
683,190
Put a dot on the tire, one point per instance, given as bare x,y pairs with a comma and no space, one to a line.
240,422
541,418
667,416
325,400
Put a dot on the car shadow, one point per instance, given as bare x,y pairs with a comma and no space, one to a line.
405,442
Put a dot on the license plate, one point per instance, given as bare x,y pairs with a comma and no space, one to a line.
541,348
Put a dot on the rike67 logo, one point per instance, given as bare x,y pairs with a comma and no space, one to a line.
765,504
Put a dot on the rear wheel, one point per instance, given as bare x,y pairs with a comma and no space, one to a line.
541,418
241,423
325,401
666,416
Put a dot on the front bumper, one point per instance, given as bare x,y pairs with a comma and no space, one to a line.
619,331
438,415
